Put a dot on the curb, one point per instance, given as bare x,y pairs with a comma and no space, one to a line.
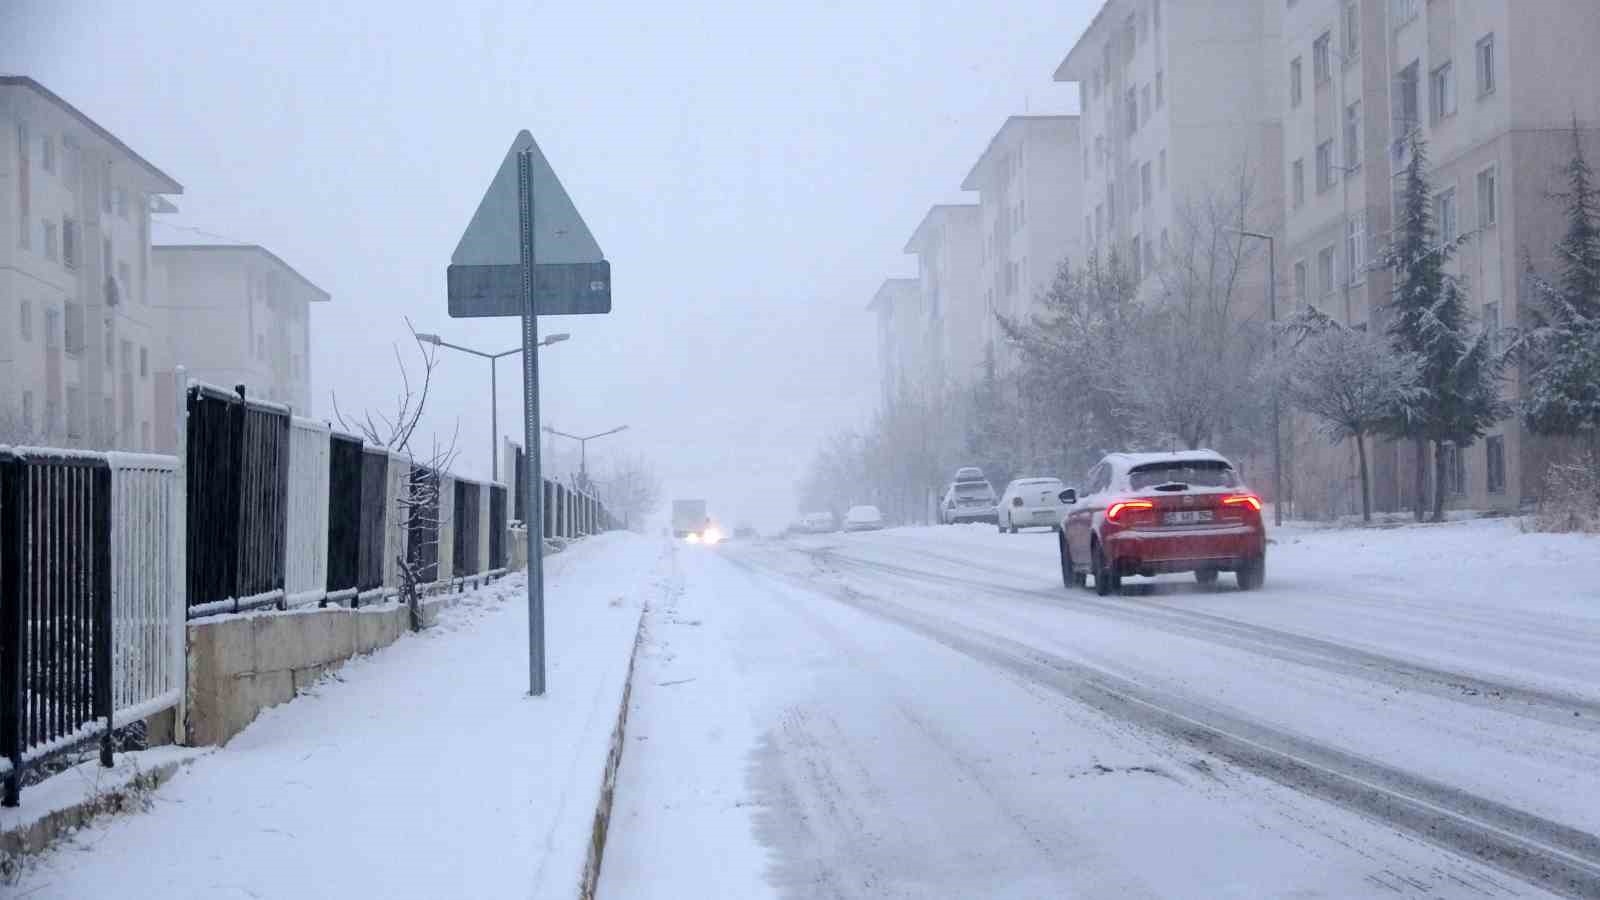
38,834
608,782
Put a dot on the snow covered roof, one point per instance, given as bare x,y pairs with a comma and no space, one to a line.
164,252
974,179
1131,460
891,290
937,213
159,181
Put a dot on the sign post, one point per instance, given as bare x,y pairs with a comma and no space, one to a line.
527,252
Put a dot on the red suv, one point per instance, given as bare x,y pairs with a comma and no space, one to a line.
1152,513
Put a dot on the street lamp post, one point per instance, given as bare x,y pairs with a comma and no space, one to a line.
583,449
1272,312
494,389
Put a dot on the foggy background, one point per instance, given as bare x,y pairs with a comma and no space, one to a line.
751,174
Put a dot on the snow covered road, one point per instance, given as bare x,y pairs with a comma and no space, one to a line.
927,712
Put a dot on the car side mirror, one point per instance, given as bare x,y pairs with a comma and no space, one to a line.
1069,496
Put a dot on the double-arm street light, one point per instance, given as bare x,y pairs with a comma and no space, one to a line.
494,399
583,449
1272,311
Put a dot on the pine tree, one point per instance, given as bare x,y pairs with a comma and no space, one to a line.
1564,349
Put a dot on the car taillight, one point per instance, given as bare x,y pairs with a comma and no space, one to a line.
1250,500
1115,510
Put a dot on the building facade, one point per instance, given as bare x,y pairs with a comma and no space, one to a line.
239,315
1029,183
1494,95
947,245
897,304
82,327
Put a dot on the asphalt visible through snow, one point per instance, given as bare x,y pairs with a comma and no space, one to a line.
928,712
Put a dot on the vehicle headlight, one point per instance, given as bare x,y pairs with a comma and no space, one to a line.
711,536
693,538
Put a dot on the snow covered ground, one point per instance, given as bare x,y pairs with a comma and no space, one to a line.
928,712
423,770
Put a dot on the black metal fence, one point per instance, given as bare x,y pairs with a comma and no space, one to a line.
55,607
374,517
421,515
519,485
467,509
238,470
497,527
346,493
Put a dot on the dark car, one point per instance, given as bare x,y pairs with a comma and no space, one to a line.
1147,514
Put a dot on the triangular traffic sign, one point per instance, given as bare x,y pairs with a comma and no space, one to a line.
559,232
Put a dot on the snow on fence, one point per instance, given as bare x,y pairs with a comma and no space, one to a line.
306,541
55,606
147,609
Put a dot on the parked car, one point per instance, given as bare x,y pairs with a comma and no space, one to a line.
968,501
1151,513
969,473
817,523
1031,503
863,518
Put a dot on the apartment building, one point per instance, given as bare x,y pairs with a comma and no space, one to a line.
1494,95
240,315
947,245
1175,108
900,327
1029,183
81,323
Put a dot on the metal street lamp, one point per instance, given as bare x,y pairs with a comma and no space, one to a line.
494,398
1272,311
583,448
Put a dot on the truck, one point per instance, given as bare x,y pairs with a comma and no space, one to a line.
689,517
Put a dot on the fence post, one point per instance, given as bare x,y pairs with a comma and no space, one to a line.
11,624
100,538
180,555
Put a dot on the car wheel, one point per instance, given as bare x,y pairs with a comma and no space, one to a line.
1206,576
1105,580
1253,574
1070,577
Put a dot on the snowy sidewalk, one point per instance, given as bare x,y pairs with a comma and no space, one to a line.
423,770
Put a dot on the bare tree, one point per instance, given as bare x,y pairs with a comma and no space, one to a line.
418,509
631,488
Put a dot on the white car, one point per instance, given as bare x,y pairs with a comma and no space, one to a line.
1031,503
968,501
863,518
817,523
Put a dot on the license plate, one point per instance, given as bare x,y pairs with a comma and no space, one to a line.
1187,516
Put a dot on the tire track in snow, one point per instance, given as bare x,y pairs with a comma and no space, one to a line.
1553,707
1548,854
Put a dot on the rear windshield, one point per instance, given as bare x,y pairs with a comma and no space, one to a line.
1193,472
1039,482
974,489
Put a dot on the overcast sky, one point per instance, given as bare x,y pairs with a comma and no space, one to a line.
752,174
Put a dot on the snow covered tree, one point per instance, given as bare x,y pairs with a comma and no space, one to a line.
1349,380
1563,349
631,488
1461,372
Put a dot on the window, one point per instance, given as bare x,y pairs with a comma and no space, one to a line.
1144,182
1402,11
27,411
1442,90
75,336
1161,89
1298,178
1454,475
1444,214
105,256
1322,58
1301,288
69,243
25,326
52,329
144,362
1099,220
1494,451
1488,197
127,357
110,348
1111,205
1133,188
1146,100
119,201
1149,256
1352,136
74,412
1130,38
24,236
1155,14
105,189
1161,175
1407,112
52,243
1130,102
1138,261
1294,82
1352,29
1324,166
1166,242
124,276
1088,229
1355,247
1325,271
1491,324
1485,56
47,155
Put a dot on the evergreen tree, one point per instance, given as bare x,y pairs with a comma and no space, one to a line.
1564,348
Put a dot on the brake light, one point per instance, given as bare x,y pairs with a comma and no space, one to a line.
1121,506
1250,500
